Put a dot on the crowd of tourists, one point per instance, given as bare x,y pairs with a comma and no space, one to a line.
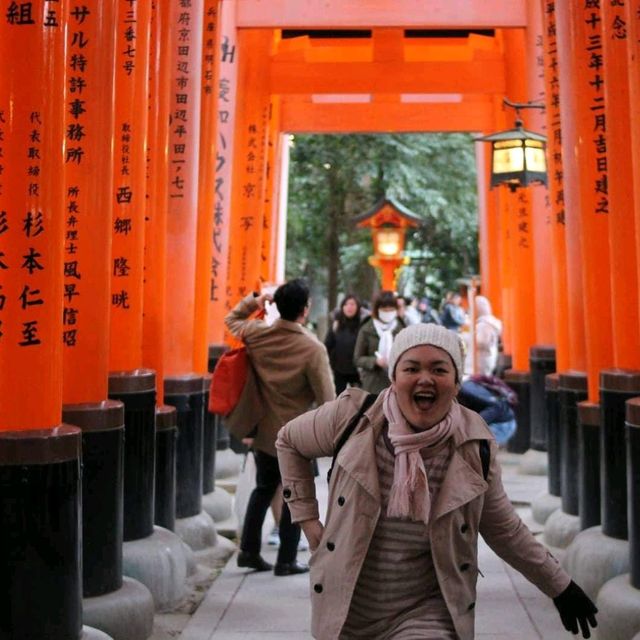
415,474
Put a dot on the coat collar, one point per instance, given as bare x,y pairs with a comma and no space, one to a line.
288,325
461,484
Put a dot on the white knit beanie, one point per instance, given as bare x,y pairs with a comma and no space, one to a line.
417,335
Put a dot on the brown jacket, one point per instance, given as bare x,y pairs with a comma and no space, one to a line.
291,365
465,506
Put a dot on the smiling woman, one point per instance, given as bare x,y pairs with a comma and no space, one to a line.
412,487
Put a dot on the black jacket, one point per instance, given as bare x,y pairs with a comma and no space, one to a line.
340,342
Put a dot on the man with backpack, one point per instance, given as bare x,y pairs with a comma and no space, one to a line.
292,372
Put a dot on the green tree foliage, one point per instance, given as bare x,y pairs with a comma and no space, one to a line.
336,177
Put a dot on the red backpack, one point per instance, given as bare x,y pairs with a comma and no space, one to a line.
228,380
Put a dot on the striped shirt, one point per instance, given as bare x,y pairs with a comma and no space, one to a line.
397,596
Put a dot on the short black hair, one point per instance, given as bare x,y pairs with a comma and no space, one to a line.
384,299
291,298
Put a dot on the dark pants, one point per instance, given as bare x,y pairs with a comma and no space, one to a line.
267,481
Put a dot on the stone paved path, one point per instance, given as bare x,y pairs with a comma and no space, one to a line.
249,606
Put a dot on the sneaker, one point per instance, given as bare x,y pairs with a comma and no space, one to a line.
273,540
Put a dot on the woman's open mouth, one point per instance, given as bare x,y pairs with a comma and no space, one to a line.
424,400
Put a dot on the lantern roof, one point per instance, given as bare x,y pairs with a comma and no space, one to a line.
388,212
519,133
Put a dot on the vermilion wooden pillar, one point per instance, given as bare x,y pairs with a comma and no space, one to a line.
226,87
624,268
184,146
571,198
521,238
633,69
251,132
585,143
540,205
270,222
155,251
206,188
505,231
557,225
40,537
32,214
182,387
278,213
129,186
88,184
489,231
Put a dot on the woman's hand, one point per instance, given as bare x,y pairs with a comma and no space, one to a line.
313,530
381,362
575,609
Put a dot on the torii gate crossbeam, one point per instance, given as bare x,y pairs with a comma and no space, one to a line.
336,14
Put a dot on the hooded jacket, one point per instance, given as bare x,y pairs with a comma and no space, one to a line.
488,332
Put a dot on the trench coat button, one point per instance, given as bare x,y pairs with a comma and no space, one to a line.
286,493
464,528
331,546
341,500
317,588
470,607
464,566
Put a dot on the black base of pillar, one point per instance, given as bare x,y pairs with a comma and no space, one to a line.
633,487
519,381
589,464
209,441
542,362
102,427
166,442
505,363
572,389
137,391
616,387
186,395
40,536
552,419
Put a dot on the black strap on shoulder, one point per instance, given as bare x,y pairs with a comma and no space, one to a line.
350,428
485,457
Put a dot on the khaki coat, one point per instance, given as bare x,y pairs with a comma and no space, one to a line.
291,366
466,505
374,378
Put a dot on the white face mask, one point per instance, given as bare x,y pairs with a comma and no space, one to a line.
387,316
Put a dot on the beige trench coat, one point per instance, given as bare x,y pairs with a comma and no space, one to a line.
291,366
466,505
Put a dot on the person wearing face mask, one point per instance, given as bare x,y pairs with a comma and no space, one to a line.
415,480
374,341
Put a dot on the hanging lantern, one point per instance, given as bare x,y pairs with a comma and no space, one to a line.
518,156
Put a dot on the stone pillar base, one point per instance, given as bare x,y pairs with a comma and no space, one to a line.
89,633
618,610
218,504
534,463
560,529
228,464
593,558
199,531
543,506
125,614
160,563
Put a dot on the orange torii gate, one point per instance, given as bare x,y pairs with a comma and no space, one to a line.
224,82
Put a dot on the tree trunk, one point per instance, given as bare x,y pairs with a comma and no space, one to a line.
333,241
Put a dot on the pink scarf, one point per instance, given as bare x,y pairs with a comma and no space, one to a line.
409,497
